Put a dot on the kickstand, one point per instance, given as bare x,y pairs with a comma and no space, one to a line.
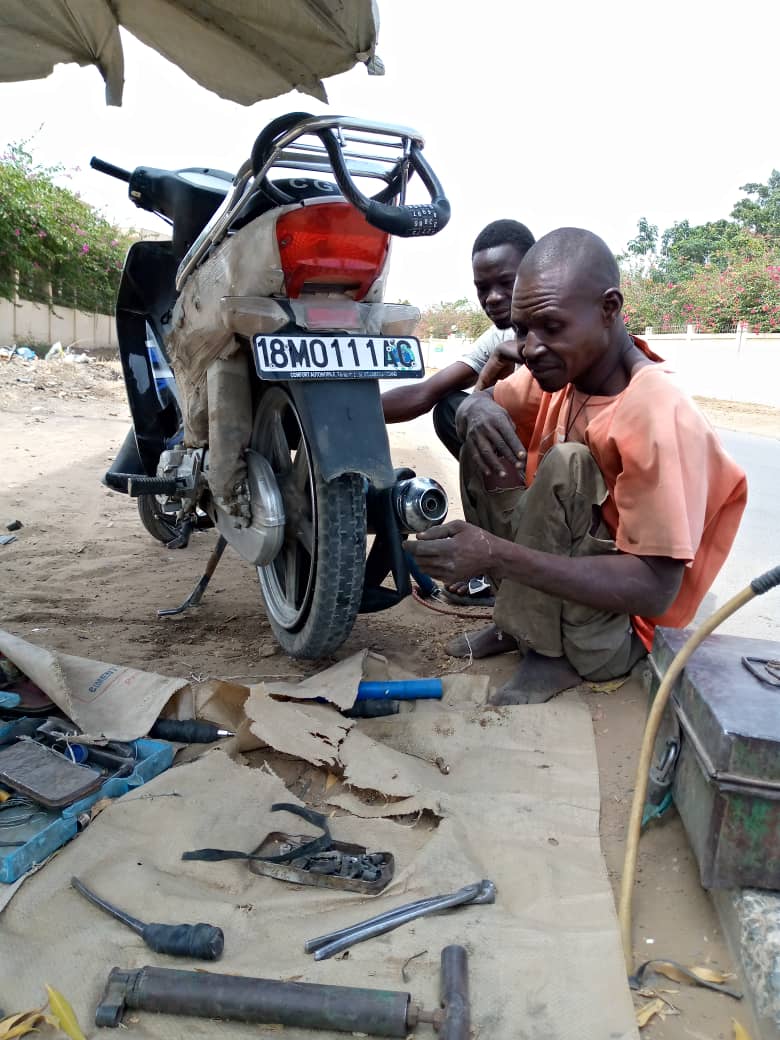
194,598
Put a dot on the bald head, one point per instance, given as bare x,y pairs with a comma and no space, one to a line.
567,304
577,261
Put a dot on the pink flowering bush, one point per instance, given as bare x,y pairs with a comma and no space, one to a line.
713,300
50,237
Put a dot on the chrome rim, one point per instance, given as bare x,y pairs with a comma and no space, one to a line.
288,581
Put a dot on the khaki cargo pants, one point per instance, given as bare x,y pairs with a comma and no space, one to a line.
559,513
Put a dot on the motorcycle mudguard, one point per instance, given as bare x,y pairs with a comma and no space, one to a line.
146,294
345,426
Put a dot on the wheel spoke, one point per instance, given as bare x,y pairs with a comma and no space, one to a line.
300,470
291,574
304,534
280,448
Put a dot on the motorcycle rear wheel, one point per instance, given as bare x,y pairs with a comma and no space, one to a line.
312,589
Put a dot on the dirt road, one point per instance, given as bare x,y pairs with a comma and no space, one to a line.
84,577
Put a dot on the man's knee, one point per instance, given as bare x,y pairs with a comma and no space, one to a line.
565,464
570,474
444,421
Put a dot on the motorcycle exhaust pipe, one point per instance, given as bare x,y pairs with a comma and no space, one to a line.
419,503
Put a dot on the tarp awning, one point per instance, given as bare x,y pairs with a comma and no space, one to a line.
243,51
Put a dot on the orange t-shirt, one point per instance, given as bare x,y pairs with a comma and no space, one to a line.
672,489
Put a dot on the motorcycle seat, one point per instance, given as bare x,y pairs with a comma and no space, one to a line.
296,188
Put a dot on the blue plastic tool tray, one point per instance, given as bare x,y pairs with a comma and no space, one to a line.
153,757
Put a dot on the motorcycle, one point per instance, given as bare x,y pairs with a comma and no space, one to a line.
252,345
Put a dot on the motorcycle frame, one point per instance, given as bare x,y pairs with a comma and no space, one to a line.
155,273
358,445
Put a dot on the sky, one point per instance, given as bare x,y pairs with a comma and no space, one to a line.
561,113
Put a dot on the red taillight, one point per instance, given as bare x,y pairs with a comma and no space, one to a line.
330,247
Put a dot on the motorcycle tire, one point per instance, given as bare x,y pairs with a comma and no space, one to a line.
312,590
149,511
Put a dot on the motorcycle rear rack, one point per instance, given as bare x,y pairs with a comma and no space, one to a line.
385,154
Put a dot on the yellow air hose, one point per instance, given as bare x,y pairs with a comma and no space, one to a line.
757,587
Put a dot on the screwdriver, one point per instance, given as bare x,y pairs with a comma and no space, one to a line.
204,942
188,731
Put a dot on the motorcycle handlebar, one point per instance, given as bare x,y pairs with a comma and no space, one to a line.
108,168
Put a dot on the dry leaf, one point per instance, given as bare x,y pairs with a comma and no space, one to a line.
64,1014
740,1033
712,975
330,781
609,686
18,1025
10,1021
648,1011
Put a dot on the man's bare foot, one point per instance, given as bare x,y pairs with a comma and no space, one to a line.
537,680
486,643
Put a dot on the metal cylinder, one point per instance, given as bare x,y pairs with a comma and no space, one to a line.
455,1023
419,503
301,1004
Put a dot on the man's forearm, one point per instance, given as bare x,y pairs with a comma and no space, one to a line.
619,583
407,402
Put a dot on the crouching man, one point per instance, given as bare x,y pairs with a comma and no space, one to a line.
599,499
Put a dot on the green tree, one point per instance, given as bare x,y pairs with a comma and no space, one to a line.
440,320
711,275
51,237
684,248
761,214
646,240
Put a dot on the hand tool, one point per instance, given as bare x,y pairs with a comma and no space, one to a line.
188,731
325,946
117,759
298,1004
204,942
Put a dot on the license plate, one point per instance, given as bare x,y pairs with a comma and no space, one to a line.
338,357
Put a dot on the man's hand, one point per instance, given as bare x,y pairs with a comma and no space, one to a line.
501,364
454,551
489,436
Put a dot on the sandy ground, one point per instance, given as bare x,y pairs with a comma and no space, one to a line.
83,576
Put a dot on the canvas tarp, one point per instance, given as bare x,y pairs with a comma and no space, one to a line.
243,51
456,790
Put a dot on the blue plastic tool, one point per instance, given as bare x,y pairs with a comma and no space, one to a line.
400,690
8,699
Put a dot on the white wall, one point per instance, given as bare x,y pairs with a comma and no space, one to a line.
734,367
728,367
23,322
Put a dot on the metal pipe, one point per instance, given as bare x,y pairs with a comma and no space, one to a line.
455,1023
109,908
329,945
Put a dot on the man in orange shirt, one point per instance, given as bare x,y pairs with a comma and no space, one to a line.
600,500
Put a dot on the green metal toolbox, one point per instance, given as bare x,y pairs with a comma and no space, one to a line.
726,783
